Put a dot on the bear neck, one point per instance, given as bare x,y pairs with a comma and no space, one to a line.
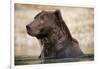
52,41
54,36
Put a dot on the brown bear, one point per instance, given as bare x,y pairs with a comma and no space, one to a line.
57,41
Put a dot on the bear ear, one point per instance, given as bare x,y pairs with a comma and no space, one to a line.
58,14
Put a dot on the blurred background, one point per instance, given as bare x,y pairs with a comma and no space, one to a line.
79,20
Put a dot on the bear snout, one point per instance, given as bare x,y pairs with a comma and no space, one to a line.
28,27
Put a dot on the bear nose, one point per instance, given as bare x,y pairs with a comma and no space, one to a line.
28,27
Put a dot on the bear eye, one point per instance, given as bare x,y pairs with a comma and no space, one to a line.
42,17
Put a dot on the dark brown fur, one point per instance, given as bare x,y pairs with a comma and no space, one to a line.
50,28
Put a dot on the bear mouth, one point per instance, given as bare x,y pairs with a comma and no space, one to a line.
40,36
30,33
37,34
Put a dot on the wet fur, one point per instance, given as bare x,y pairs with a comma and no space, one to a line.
55,36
